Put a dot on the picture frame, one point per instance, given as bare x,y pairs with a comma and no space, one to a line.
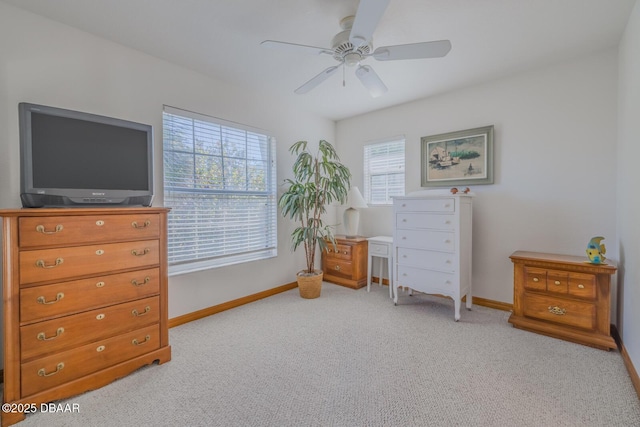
457,158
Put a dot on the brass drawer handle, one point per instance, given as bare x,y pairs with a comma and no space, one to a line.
557,282
40,263
146,340
146,224
140,253
557,310
135,312
535,279
42,300
337,267
43,337
43,373
41,229
134,282
580,286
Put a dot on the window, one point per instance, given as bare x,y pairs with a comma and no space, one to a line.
384,171
219,181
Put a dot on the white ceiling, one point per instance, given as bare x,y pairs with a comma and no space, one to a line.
221,38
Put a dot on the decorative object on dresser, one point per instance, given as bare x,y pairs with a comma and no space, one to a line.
346,263
596,250
318,180
432,244
457,158
562,296
351,216
85,299
380,247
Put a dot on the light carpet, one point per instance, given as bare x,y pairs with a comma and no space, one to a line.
352,358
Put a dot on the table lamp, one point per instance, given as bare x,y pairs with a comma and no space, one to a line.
351,215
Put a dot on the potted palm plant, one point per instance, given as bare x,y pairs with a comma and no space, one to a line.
318,180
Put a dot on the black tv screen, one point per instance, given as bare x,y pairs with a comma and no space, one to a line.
75,158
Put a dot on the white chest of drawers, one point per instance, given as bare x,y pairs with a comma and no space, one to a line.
432,245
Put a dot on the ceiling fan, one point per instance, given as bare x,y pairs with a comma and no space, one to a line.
354,44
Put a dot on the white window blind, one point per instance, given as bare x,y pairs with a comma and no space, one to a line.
384,171
219,181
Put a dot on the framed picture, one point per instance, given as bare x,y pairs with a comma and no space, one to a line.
458,158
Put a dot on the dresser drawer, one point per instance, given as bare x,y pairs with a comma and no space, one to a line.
441,261
426,280
338,252
535,278
55,335
426,239
50,371
557,281
66,230
445,204
582,285
559,310
424,220
37,302
54,264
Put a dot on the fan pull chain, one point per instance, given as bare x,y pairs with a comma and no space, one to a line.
343,76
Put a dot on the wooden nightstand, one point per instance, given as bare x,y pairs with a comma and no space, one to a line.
562,296
347,265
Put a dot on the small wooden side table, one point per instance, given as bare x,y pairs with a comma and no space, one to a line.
380,247
346,264
563,296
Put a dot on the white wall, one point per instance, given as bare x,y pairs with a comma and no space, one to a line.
554,162
48,63
628,206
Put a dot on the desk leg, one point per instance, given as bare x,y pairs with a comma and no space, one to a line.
390,271
369,268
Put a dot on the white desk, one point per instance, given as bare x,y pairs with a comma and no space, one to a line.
380,247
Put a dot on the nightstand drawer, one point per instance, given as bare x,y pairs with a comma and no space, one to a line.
378,249
338,267
559,310
340,251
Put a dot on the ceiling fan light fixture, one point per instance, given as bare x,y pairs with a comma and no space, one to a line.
371,81
353,58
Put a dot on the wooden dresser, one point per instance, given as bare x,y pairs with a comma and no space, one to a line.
347,264
562,296
85,299
432,245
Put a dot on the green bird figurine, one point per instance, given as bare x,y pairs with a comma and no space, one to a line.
596,250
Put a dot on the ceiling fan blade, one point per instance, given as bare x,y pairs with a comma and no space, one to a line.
434,49
370,80
324,75
293,47
367,18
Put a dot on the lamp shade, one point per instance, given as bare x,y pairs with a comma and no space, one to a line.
355,199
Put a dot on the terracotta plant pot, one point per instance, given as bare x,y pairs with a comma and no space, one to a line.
310,286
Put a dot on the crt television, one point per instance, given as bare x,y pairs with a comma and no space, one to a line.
71,158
